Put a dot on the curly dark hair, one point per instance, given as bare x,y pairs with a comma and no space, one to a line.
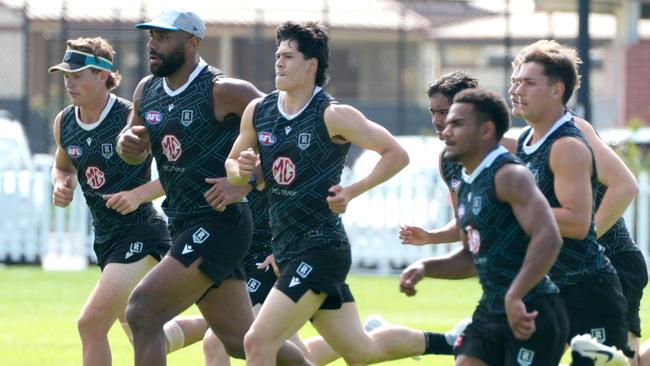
313,41
488,106
451,84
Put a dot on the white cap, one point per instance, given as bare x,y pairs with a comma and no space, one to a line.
177,19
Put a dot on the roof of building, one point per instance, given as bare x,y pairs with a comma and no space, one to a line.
357,14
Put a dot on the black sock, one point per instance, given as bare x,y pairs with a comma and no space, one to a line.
436,344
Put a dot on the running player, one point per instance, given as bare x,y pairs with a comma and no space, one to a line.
303,137
129,238
510,238
187,114
563,165
617,187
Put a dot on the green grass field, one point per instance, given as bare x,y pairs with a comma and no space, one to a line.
38,312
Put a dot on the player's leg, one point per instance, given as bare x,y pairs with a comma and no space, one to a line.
632,273
214,352
168,289
183,331
342,329
279,318
105,304
644,353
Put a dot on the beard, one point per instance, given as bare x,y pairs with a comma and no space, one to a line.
168,64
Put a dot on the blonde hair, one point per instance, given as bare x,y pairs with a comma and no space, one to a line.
100,47
560,63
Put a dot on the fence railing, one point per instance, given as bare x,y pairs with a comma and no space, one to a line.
34,231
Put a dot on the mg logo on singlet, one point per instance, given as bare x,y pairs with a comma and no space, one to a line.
266,138
473,239
171,147
95,177
284,171
74,151
153,117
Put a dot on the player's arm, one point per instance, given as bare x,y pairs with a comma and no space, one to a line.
516,186
126,202
621,184
455,265
242,161
133,142
348,124
448,233
64,173
232,96
571,163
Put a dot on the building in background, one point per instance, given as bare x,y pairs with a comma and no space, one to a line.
383,52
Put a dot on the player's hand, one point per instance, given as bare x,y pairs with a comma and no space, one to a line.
222,193
123,202
410,277
63,192
270,261
413,235
133,142
521,322
338,199
247,161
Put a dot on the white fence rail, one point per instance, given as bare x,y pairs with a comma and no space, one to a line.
34,231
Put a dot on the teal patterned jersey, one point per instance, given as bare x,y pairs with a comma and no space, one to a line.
300,164
578,258
496,240
100,170
187,141
451,172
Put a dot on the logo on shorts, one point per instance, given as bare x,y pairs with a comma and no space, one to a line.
295,281
187,249
525,357
253,285
599,334
200,236
187,116
153,117
107,150
266,138
284,171
171,147
133,249
304,269
304,140
95,177
74,151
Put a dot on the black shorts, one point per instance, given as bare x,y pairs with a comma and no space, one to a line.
489,337
596,306
320,270
221,241
130,243
260,282
633,274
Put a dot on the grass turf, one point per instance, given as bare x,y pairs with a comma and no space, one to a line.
38,312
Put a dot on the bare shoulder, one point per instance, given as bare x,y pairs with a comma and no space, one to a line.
341,112
139,89
513,180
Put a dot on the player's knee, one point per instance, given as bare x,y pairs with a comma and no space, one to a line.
139,316
358,357
91,323
254,343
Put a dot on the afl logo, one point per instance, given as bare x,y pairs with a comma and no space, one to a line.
284,171
74,151
266,138
95,177
153,117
